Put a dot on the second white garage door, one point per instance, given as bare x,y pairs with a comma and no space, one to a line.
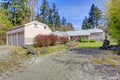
21,39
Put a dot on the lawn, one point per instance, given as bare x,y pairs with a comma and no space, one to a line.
92,45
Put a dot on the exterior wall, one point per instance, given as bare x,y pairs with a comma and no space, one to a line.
77,38
86,37
13,37
90,34
25,34
33,30
98,36
21,39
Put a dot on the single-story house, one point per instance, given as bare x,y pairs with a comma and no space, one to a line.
90,34
25,34
60,34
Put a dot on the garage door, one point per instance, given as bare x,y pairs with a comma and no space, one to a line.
14,39
9,39
21,39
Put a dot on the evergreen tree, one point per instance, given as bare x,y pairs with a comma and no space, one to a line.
50,17
56,17
63,22
69,27
18,12
44,11
57,20
86,23
37,17
94,16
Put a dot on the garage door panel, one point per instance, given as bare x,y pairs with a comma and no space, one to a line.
14,39
9,39
21,39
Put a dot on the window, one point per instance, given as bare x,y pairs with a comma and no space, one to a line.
44,27
35,25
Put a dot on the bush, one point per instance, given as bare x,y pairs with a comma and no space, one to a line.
92,41
63,40
45,40
49,40
84,41
81,39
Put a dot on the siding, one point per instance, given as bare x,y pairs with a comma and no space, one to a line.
33,30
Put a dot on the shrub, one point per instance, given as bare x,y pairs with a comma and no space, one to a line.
81,39
45,40
63,40
84,41
49,40
92,41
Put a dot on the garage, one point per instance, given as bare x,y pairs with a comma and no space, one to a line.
25,34
14,39
20,39
9,39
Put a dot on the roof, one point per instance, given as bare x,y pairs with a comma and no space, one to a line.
77,33
83,32
94,30
33,22
59,33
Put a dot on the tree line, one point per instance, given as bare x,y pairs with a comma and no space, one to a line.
111,19
17,12
50,15
23,11
93,19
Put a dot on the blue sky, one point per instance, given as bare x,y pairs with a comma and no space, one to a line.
75,10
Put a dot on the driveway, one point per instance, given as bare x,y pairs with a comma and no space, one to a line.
69,65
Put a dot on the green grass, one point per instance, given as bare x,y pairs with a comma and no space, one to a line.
51,49
92,45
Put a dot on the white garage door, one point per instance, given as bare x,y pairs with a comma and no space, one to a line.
21,39
14,39
9,39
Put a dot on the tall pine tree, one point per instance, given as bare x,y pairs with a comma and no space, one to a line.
44,11
86,23
94,16
18,12
56,17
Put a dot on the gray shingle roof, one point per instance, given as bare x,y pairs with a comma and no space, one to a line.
83,32
59,33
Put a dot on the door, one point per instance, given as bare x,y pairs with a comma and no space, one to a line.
9,39
21,39
14,39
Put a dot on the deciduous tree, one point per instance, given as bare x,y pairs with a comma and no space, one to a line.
5,24
113,10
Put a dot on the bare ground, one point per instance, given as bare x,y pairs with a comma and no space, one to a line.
75,64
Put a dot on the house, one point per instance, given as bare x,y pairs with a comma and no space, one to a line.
60,34
25,34
90,34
